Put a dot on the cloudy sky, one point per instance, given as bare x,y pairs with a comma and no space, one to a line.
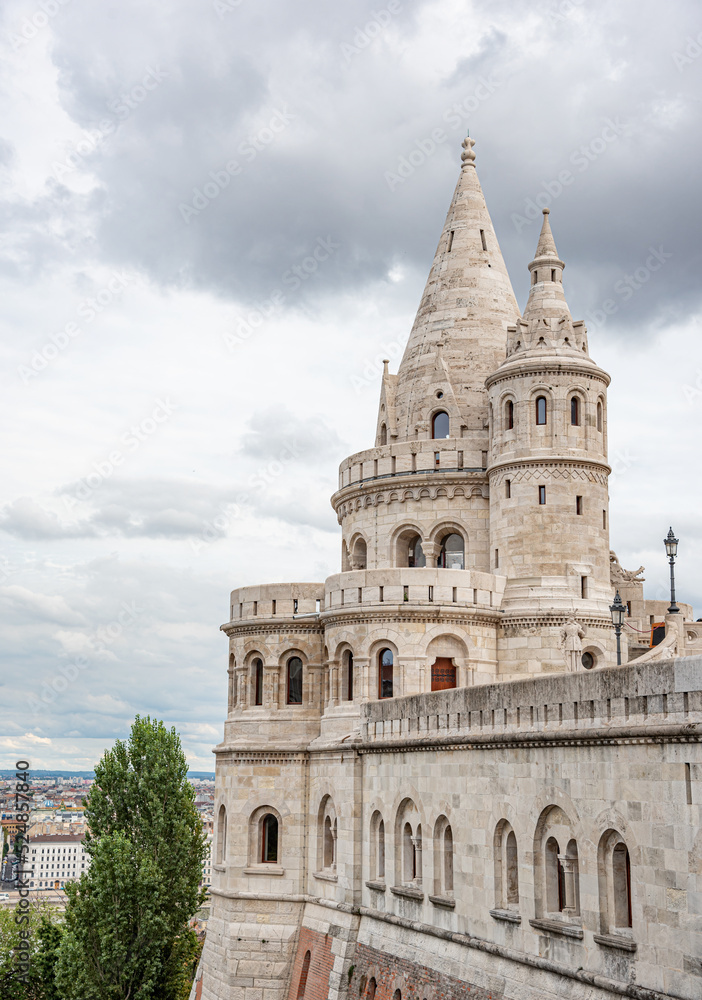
177,390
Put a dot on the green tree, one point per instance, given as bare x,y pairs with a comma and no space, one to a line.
127,932
43,928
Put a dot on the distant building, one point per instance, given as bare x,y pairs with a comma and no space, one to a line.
56,858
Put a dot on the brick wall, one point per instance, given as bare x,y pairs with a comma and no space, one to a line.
321,962
415,982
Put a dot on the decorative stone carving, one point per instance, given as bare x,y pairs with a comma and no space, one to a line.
572,635
620,575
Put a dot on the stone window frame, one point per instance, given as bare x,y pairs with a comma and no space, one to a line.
377,855
444,851
327,828
506,859
221,839
400,540
615,885
407,844
283,661
250,676
255,845
555,825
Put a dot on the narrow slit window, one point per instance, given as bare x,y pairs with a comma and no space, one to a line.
583,586
482,239
460,460
450,240
431,593
385,674
509,415
542,494
541,410
599,416
575,411
273,607
553,274
578,505
508,488
497,558
437,459
533,277
604,518
258,682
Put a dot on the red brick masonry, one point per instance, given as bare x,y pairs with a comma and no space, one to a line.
415,982
320,965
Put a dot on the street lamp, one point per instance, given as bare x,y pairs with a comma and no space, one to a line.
618,610
671,548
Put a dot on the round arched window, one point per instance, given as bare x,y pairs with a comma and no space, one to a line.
385,673
541,410
509,415
440,425
452,552
294,681
575,411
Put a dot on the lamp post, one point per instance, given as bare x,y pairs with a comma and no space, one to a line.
671,548
618,610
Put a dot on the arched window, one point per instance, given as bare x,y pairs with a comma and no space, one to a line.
575,411
409,855
385,673
328,843
621,885
359,554
599,416
555,887
269,839
294,681
221,855
348,669
452,552
381,850
232,682
258,681
371,989
511,871
415,553
303,975
397,995
509,415
448,860
541,410
383,434
440,425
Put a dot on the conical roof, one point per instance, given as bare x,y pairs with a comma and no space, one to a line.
460,332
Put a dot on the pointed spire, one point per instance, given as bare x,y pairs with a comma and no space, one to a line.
467,306
547,244
547,321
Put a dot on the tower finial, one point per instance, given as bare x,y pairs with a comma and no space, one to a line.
547,245
468,156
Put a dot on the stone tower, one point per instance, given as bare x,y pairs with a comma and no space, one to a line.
353,813
549,516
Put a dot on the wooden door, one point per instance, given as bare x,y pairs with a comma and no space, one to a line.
443,674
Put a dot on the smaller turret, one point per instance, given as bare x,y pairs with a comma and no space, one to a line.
546,322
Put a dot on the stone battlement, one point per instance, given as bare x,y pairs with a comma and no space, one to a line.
654,694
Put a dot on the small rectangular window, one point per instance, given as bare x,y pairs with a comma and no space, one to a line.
475,595
553,274
294,605
497,558
455,594
542,494
508,488
380,593
375,466
273,607
450,241
604,518
318,605
482,239
241,610
343,597
628,608
578,505
393,465
360,595
460,460
583,586
431,593
414,461
405,593
255,607
437,459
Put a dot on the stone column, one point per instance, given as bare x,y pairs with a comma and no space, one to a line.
568,865
362,665
417,843
243,689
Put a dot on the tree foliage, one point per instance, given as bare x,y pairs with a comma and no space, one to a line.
127,932
44,928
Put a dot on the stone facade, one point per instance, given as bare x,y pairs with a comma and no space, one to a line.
434,780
